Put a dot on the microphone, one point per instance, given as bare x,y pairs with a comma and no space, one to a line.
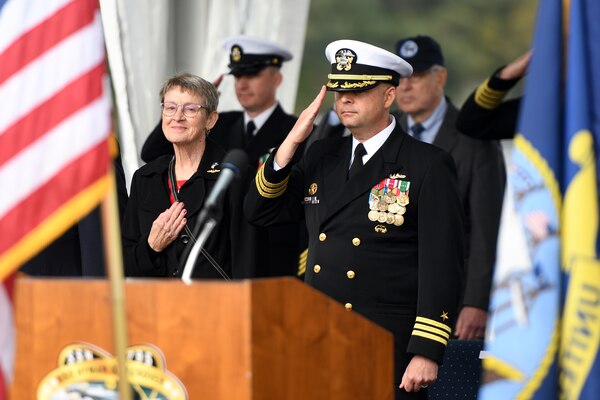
231,166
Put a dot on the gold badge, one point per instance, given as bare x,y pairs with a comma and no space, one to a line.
380,229
444,315
236,54
397,176
403,199
398,220
213,168
373,215
394,208
344,59
312,190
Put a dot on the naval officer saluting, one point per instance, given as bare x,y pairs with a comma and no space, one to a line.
382,209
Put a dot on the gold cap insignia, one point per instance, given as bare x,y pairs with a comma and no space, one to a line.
313,189
344,59
236,53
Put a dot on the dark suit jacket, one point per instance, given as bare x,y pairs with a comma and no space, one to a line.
149,196
481,180
405,278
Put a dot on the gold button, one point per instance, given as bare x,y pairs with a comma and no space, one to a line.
317,268
356,241
350,274
348,306
322,237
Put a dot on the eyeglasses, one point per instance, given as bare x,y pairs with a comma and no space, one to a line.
190,110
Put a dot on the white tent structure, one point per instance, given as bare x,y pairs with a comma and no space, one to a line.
150,40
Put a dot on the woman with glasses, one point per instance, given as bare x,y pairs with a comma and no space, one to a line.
168,193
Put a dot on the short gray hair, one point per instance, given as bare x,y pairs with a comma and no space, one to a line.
193,84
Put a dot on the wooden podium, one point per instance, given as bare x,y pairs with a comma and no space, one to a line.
242,340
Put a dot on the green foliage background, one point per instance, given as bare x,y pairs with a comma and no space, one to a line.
476,36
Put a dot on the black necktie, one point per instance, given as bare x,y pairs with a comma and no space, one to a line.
417,130
359,152
250,128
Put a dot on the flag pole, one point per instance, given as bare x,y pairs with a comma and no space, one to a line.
114,260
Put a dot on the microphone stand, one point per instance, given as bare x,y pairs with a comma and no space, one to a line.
193,256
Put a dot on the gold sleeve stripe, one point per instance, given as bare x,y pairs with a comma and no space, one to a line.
267,189
433,330
268,184
266,192
302,262
434,323
430,336
487,97
360,77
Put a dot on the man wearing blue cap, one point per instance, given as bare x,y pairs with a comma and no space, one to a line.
430,116
382,210
256,65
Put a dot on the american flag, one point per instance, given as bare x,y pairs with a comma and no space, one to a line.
54,126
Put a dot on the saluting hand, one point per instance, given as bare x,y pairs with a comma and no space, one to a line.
517,68
166,228
300,131
420,373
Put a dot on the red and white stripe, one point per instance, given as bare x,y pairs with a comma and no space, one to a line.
54,124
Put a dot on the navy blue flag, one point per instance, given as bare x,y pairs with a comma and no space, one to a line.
544,328
580,337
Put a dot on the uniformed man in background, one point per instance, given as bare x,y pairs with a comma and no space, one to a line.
383,213
262,125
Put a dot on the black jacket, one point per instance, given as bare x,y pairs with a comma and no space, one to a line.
149,196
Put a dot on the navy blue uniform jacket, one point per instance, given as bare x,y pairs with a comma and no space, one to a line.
405,278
